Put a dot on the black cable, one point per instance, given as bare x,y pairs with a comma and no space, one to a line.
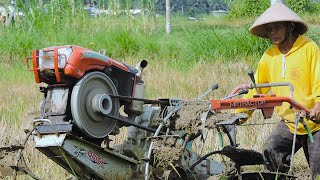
27,170
203,158
20,157
257,124
146,101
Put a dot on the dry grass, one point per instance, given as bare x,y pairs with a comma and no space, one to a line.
19,94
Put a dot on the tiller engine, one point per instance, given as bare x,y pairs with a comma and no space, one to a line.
89,96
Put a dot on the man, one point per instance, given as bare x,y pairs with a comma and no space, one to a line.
291,58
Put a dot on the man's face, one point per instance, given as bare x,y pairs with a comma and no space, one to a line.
277,32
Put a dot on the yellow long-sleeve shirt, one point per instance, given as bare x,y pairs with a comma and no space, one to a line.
301,67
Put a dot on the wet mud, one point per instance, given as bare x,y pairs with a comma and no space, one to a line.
190,116
167,151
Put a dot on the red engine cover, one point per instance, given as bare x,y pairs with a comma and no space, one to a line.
80,61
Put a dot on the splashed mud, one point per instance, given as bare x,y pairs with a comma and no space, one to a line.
8,158
215,118
167,151
190,116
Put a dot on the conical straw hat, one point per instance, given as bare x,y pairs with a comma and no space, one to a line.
277,12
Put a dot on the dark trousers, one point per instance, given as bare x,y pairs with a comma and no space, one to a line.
278,147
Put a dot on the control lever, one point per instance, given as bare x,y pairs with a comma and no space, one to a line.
251,75
213,87
240,92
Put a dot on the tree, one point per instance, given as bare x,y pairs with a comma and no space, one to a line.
168,16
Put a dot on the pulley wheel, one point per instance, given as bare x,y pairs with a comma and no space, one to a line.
90,103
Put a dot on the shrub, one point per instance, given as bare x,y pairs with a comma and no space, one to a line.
254,8
247,8
301,6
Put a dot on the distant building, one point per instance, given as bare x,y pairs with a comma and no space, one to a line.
192,7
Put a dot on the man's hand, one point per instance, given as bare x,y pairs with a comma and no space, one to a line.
315,113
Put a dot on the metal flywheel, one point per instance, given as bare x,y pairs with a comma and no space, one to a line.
90,103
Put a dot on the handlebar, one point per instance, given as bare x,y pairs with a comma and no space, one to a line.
257,102
264,102
263,85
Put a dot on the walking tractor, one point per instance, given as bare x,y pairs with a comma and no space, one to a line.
88,96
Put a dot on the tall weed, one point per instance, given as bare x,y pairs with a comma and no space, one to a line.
254,8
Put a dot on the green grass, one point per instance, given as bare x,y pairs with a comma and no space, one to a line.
18,93
209,39
182,48
138,37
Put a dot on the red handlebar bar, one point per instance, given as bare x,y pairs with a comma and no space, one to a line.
258,102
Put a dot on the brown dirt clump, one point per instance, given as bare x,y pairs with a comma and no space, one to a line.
8,158
189,117
9,149
215,118
167,151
